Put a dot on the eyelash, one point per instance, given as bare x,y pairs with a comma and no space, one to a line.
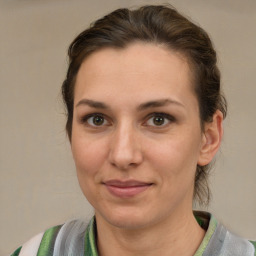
170,118
84,120
165,116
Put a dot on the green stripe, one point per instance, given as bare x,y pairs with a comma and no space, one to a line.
199,221
254,244
47,244
17,252
90,248
212,227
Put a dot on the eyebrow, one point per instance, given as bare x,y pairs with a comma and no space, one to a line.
141,107
92,103
158,103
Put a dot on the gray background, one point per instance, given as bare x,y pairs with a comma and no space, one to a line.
38,185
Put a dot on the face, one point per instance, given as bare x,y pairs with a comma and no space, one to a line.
136,136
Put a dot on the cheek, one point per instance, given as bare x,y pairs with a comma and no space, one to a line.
175,157
175,166
89,158
89,155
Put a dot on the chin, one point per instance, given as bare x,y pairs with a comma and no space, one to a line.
128,223
127,218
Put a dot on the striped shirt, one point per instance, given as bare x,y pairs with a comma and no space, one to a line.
76,238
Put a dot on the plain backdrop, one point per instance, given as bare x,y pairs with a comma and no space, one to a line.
38,185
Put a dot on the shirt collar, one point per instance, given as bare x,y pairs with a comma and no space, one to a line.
204,219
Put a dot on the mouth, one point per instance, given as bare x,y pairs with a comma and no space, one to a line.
126,189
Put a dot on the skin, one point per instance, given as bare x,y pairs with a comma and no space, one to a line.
130,142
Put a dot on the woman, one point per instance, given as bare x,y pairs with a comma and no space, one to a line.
144,119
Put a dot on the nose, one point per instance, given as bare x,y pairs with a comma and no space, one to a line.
125,151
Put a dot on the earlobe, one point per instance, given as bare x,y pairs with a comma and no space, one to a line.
211,140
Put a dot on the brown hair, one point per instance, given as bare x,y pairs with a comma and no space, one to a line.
160,24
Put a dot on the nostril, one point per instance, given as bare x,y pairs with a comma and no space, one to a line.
125,160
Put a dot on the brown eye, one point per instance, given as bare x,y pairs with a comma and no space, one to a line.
158,120
95,120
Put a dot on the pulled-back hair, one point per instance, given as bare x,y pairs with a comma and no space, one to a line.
156,24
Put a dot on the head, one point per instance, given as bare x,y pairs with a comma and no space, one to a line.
162,26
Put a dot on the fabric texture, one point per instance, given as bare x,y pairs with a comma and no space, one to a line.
76,238
31,247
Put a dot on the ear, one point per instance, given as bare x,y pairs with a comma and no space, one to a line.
211,139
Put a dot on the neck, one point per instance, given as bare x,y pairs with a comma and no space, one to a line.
178,235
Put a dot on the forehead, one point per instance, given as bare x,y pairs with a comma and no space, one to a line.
140,67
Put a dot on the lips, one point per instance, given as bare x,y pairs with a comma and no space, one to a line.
126,189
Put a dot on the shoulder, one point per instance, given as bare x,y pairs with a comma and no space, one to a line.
56,240
219,240
254,244
237,245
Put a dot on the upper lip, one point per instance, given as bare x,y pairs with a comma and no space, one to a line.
126,183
